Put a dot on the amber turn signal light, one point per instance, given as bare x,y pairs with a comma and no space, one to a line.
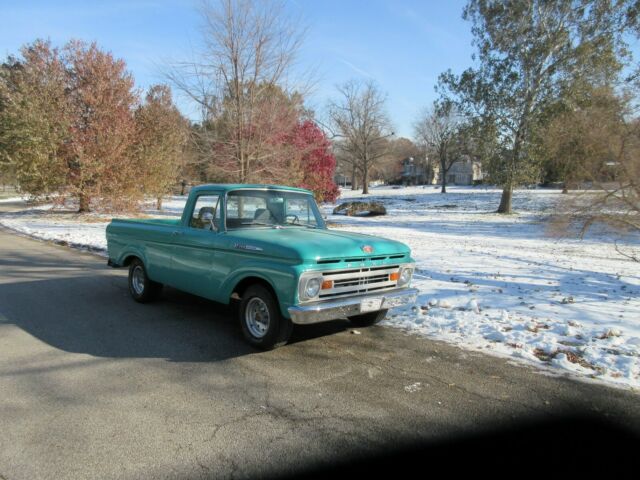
327,284
393,277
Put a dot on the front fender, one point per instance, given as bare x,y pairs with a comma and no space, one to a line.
281,278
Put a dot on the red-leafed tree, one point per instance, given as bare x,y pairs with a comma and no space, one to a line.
102,100
317,163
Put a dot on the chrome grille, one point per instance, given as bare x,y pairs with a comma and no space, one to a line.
359,280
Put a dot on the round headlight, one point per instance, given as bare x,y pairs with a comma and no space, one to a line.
405,276
312,287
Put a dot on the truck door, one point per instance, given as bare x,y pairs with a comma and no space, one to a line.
196,248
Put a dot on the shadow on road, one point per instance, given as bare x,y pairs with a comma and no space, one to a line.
94,315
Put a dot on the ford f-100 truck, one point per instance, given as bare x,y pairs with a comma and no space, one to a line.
268,249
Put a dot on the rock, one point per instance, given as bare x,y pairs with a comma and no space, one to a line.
360,209
444,304
473,306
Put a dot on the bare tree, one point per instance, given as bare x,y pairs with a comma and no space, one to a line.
438,129
360,119
346,163
240,83
389,168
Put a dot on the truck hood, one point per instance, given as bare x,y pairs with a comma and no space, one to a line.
309,244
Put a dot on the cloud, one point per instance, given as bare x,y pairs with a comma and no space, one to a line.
355,68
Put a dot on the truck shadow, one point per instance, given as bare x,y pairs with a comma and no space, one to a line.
94,315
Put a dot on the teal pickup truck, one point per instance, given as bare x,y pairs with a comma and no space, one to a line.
266,247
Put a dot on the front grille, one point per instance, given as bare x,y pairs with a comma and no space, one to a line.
359,280
376,258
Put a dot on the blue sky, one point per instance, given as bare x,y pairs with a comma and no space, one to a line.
403,45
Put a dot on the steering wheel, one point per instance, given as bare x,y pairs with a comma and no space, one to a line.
295,218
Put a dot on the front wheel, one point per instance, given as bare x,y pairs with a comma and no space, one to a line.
368,319
262,324
141,287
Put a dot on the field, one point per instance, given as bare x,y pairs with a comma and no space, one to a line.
498,284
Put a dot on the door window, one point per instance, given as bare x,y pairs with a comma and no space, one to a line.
206,213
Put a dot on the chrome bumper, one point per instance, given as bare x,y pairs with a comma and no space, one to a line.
346,307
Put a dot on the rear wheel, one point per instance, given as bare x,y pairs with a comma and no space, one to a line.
262,324
368,319
141,287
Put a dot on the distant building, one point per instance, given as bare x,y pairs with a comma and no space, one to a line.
463,172
415,172
342,180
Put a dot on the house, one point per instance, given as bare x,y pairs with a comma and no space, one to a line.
416,172
463,172
342,180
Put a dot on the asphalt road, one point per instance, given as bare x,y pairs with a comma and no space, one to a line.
93,385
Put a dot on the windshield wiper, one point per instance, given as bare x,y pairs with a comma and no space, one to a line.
301,225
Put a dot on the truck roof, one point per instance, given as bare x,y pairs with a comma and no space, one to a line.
226,187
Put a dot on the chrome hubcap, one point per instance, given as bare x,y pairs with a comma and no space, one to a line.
257,317
137,280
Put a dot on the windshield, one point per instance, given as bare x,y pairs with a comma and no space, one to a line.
259,208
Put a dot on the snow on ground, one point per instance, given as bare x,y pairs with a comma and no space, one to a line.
11,199
84,231
500,284
488,282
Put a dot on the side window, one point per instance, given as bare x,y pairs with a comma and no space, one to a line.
206,213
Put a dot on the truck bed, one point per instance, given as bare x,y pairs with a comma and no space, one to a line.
168,222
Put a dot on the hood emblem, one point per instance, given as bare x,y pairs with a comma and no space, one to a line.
367,248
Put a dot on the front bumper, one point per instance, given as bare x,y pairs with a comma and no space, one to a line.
324,310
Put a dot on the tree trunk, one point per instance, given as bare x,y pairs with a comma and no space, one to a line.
505,200
184,184
443,178
365,180
507,188
565,188
354,179
84,201
159,203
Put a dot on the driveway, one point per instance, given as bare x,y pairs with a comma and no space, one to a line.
93,384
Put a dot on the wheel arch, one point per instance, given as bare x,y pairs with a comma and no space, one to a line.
127,255
244,283
126,261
